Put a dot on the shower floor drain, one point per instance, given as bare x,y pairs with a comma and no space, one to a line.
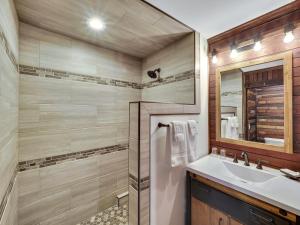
112,216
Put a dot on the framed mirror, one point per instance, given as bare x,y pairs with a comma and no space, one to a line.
254,103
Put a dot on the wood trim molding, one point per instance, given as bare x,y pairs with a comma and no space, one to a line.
266,18
287,58
246,198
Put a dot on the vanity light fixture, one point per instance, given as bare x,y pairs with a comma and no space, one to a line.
234,51
289,36
214,56
96,24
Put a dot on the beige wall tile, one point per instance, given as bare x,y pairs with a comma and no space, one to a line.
173,59
62,53
9,92
133,156
45,208
144,207
9,23
133,206
10,214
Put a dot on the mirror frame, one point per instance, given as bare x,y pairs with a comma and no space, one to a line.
287,58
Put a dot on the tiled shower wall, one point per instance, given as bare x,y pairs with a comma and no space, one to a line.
73,126
177,63
9,82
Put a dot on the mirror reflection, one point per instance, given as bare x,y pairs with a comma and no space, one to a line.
252,103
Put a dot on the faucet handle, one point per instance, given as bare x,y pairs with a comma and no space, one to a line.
260,163
235,159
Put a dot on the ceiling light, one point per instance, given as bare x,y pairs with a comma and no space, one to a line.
257,46
289,36
96,23
214,56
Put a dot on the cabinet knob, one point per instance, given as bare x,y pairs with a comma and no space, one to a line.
220,221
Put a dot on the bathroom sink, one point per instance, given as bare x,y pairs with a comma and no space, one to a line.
247,174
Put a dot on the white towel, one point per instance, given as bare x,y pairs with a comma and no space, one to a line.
192,127
192,141
178,143
223,128
232,128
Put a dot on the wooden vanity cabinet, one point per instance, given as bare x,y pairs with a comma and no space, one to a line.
203,214
210,203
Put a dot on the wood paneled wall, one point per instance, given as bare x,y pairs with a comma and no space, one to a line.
270,112
272,33
265,103
264,77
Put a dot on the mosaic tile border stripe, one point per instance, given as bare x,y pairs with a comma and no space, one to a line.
171,79
133,182
64,75
8,192
145,183
5,45
54,160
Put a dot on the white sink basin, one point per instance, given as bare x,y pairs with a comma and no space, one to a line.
248,174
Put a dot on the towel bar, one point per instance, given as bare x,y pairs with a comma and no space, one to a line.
162,125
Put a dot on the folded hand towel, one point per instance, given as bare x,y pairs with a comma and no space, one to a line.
178,143
192,127
192,141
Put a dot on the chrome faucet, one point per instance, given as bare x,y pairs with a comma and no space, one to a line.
245,156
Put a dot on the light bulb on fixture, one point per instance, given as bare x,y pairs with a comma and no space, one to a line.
233,53
214,56
257,46
289,36
96,23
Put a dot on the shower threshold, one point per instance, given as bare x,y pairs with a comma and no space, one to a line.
112,216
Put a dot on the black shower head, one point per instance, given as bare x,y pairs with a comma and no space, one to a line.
153,73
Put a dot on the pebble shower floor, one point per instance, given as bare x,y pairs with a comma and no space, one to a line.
112,216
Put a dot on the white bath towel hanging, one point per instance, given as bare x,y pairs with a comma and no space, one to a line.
232,128
192,141
178,143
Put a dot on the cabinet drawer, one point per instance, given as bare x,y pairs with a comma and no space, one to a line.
241,211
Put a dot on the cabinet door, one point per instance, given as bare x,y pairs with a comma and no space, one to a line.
200,213
218,218
234,222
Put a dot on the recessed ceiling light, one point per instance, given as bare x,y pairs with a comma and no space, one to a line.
96,23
